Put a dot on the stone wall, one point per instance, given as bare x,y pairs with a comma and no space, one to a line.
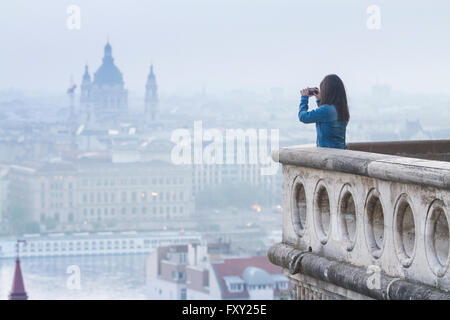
385,215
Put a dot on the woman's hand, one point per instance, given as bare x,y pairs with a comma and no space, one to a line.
305,92
317,93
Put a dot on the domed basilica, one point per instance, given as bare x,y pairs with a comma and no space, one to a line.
106,98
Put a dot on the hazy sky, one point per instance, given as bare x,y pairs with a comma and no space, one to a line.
228,44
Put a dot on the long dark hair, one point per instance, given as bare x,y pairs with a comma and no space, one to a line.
332,91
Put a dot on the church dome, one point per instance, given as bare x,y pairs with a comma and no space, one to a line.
108,73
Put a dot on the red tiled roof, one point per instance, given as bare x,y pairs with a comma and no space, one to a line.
236,267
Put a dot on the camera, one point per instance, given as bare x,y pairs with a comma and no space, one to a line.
312,92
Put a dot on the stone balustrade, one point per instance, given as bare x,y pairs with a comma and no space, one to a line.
361,225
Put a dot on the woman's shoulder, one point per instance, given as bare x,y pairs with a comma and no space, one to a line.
330,106
330,109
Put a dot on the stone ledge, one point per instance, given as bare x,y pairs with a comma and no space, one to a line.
375,165
349,276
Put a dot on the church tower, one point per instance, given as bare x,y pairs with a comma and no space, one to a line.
85,95
151,109
18,289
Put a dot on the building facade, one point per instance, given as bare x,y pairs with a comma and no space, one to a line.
79,193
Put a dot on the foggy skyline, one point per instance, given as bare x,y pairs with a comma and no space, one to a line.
226,45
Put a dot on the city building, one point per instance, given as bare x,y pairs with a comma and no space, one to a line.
75,194
105,96
210,175
252,278
210,272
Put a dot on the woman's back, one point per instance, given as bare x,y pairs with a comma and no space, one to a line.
331,134
330,131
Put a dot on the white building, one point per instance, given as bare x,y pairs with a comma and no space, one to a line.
87,191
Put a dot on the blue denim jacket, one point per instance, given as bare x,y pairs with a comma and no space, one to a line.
330,131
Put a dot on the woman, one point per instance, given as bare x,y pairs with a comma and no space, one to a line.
331,116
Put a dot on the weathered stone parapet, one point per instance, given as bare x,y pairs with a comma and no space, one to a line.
379,166
350,277
354,211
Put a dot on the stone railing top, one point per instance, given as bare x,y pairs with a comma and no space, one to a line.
423,149
375,165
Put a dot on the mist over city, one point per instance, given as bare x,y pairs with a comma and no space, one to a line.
139,141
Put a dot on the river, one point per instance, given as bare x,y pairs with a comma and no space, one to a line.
100,277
